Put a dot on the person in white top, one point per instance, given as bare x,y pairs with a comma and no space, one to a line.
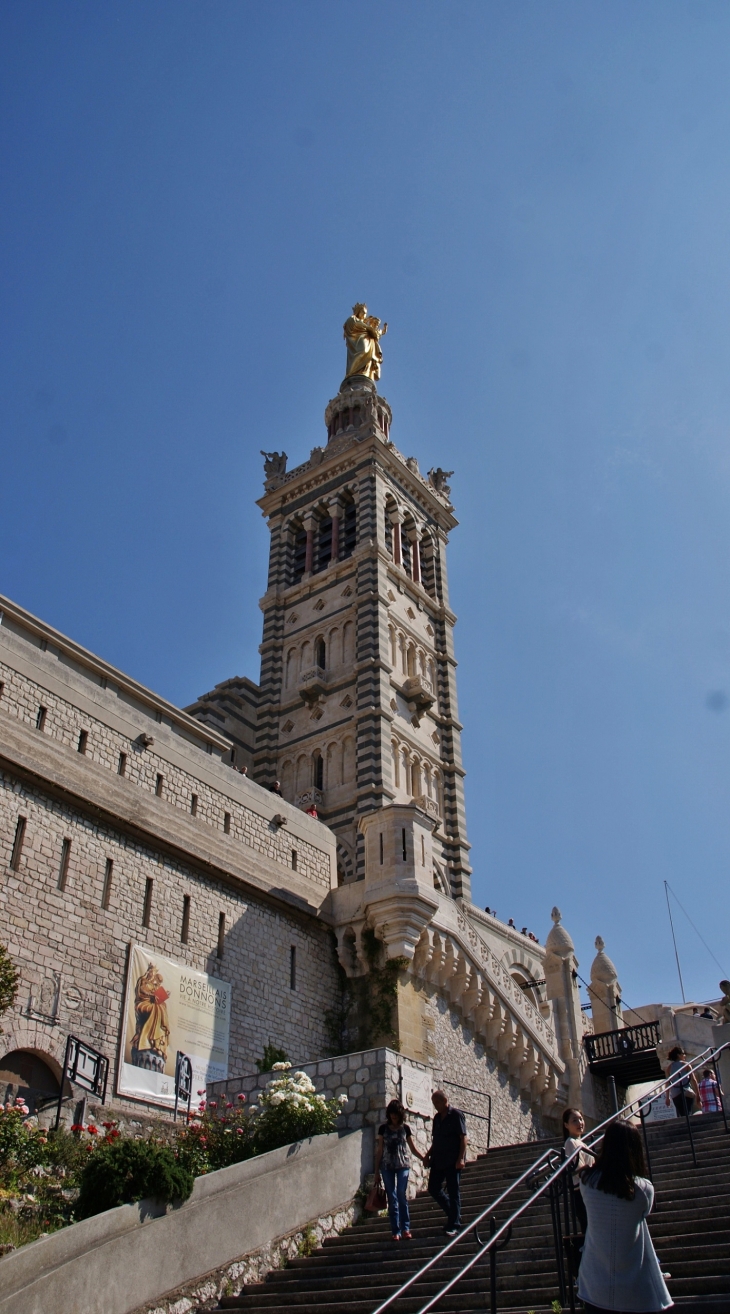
619,1270
573,1128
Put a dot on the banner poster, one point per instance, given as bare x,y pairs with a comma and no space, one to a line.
169,1007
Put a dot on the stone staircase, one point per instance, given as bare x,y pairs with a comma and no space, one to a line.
354,1272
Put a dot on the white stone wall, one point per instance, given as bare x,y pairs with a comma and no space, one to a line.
22,697
67,935
460,1061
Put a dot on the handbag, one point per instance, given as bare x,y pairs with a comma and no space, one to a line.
377,1199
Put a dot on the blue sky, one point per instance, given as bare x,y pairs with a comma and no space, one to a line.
537,198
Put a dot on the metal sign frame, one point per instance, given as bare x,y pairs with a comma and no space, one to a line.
86,1067
183,1081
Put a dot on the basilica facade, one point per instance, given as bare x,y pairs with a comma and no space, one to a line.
282,848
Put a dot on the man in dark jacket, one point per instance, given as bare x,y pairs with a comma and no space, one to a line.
446,1158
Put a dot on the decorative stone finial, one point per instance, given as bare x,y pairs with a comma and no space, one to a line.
602,969
558,941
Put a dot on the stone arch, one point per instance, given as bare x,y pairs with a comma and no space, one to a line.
291,667
334,645
303,774
305,660
348,642
320,652
317,770
32,1073
333,765
286,776
345,863
348,760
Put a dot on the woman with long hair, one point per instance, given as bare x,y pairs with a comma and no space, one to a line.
573,1128
619,1270
393,1164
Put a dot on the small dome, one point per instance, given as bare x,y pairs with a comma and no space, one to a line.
602,969
558,941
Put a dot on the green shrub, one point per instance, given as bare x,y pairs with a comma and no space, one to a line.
123,1171
272,1056
219,1134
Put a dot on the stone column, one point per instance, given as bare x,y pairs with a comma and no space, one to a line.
561,988
335,511
309,556
396,520
414,537
605,992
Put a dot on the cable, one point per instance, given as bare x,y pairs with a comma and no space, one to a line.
674,941
694,928
591,991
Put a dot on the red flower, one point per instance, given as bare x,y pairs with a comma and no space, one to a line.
92,1130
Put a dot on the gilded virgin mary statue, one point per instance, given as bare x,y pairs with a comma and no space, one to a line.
362,335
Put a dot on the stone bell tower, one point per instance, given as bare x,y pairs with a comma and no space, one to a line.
357,706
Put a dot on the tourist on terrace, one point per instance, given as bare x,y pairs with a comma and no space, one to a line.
276,788
446,1158
619,1269
685,1092
393,1164
710,1092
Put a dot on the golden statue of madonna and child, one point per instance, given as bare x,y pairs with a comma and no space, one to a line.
362,335
151,1037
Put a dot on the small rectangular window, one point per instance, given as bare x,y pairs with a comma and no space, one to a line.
405,849
63,868
122,767
106,892
227,823
293,967
293,859
83,741
221,934
40,721
381,848
193,805
209,748
18,843
44,645
185,929
147,910
158,717
2,687
159,784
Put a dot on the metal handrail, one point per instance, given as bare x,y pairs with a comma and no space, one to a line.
708,1055
469,1113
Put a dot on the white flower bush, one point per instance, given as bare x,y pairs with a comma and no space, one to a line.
290,1109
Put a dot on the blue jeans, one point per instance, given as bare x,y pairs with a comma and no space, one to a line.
395,1181
451,1203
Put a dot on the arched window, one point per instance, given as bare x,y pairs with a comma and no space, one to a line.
306,655
324,543
317,769
348,650
432,673
422,663
402,648
348,526
411,659
428,564
393,647
334,766
348,761
320,653
396,766
416,778
302,777
405,771
286,775
298,553
291,658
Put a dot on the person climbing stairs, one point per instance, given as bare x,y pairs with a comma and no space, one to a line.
356,1271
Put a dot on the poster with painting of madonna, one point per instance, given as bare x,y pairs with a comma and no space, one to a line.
169,1007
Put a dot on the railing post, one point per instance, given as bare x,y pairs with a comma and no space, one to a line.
689,1124
646,1142
719,1093
613,1094
558,1238
492,1269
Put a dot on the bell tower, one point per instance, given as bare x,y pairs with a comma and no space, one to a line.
357,707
